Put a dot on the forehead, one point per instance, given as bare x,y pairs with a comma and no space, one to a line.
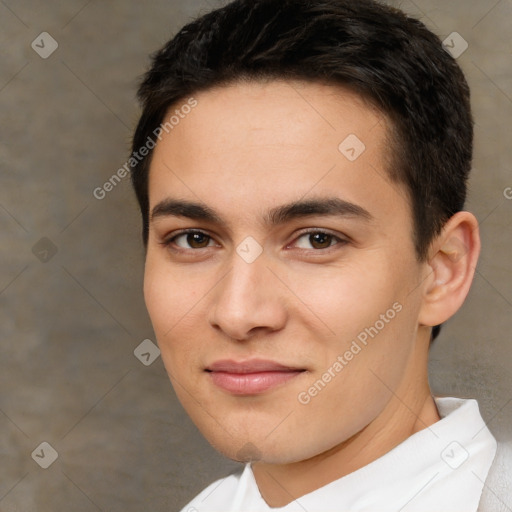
275,141
279,112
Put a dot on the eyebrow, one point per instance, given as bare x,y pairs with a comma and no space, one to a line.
330,206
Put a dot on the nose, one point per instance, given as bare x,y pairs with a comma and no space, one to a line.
248,300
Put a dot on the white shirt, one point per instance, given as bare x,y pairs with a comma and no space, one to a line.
441,468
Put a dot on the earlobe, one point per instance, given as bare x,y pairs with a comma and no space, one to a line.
452,263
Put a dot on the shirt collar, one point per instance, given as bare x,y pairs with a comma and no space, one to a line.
442,467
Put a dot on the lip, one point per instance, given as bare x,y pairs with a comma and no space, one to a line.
250,377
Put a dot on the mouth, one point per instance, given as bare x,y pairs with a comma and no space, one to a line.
251,377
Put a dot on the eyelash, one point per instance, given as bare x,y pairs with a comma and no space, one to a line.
170,240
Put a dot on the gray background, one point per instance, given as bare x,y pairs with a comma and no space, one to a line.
70,321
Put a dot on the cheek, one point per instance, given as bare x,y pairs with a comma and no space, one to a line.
345,298
160,294
365,308
173,301
169,292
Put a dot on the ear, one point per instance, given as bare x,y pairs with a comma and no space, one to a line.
451,266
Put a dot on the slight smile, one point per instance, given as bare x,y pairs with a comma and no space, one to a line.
250,377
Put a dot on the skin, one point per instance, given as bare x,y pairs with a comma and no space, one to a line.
248,148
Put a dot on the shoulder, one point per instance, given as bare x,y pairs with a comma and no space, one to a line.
497,492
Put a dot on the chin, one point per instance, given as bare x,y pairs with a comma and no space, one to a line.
252,449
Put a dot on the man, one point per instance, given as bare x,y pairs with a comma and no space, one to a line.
302,177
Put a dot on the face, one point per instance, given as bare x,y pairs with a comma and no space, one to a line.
281,277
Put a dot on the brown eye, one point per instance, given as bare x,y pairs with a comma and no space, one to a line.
191,240
198,240
316,240
320,240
